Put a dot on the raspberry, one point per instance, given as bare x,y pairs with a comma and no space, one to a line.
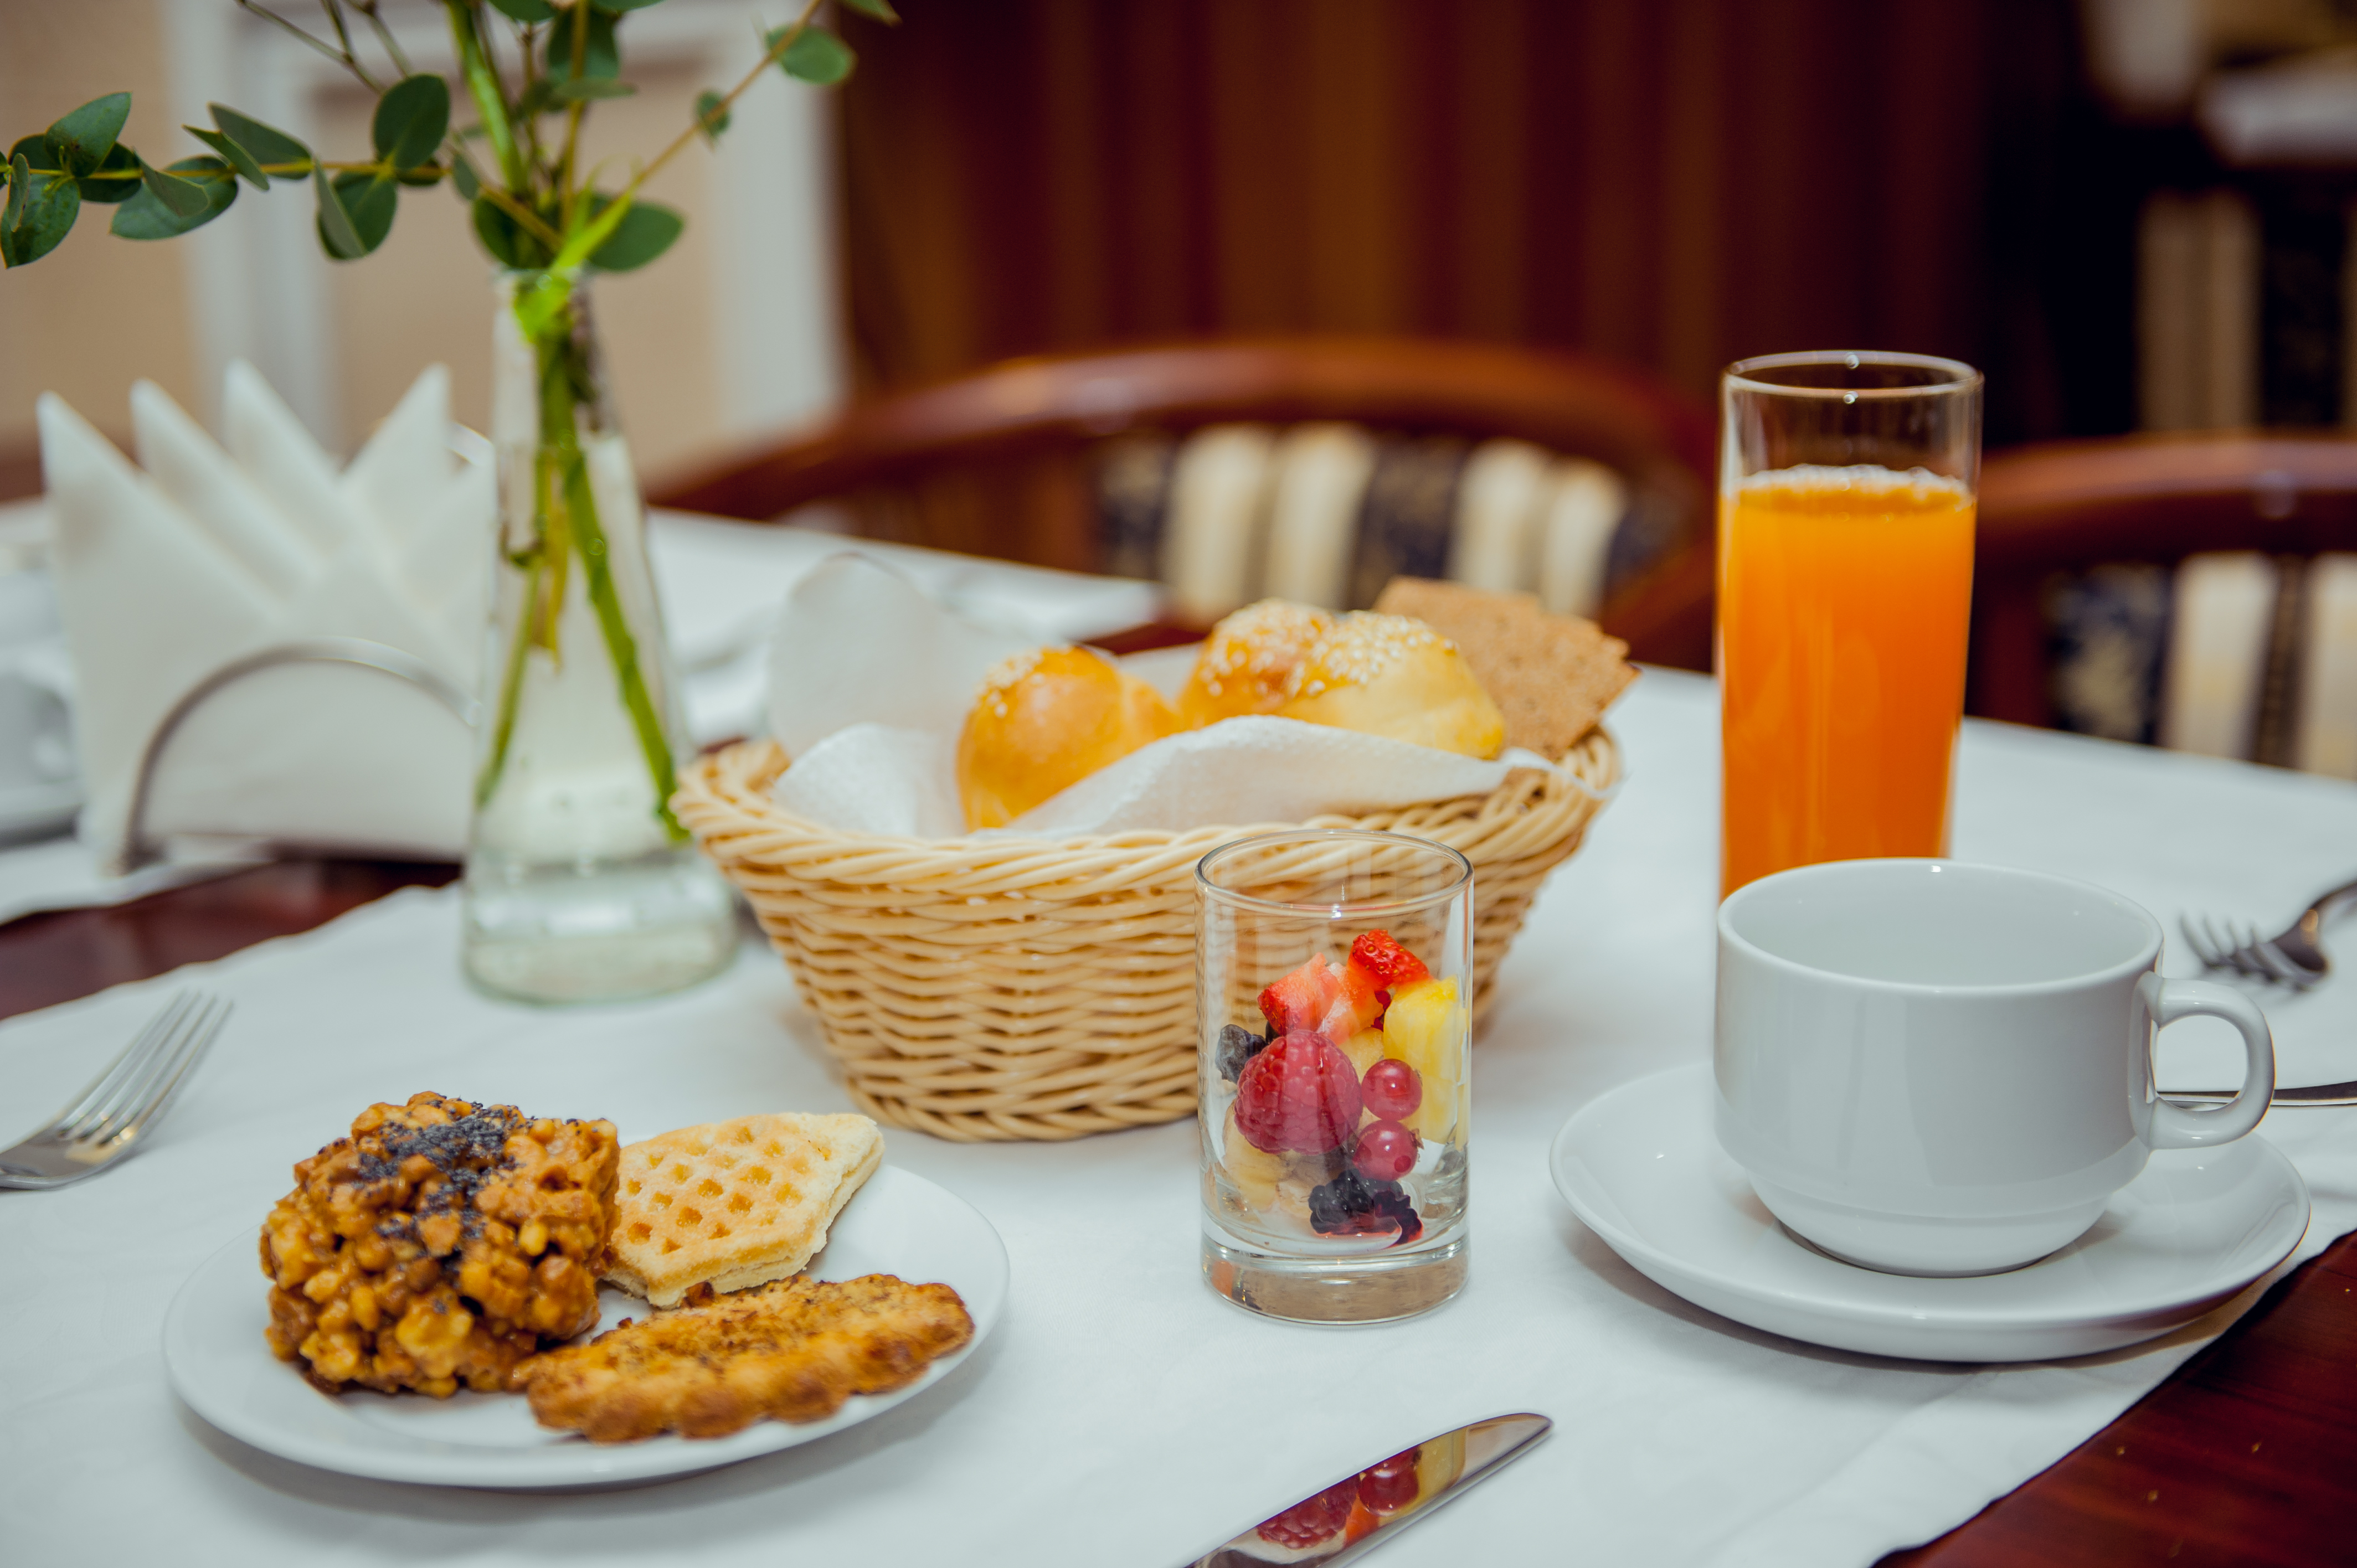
1313,1519
1351,1205
1299,1095
1392,964
1237,1046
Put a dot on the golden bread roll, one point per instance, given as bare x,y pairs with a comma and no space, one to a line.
1249,661
1391,676
1045,720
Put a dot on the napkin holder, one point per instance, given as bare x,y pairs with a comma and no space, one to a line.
139,849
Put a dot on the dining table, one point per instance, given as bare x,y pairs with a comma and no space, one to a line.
1123,1412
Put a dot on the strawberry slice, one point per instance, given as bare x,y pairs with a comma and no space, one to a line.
1365,998
1302,1000
1391,965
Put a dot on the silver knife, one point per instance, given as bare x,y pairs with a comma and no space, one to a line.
1335,1523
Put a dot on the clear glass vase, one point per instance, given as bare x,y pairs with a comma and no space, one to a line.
581,886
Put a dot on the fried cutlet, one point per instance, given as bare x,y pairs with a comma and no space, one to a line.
790,1351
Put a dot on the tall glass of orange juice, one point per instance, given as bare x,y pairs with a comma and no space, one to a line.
1845,501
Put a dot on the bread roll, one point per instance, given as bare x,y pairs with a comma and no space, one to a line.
1044,721
1391,676
1249,661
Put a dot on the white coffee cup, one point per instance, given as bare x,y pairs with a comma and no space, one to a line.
1930,1068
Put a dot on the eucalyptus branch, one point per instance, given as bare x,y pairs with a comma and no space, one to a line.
342,56
533,222
777,50
384,36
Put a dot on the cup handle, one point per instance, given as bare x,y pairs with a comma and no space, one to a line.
2179,1127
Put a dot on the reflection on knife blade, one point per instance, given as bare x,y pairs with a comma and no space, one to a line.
1338,1523
2300,1094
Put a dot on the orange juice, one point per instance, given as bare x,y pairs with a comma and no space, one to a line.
1843,600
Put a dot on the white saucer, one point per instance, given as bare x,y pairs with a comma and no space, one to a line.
213,1350
1641,1166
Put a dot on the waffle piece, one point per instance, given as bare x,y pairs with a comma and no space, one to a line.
1552,676
438,1245
792,1352
733,1204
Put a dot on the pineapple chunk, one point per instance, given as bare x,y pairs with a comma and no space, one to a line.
1255,1172
1364,1048
1426,1029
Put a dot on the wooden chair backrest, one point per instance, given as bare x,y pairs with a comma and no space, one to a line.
2061,506
1031,421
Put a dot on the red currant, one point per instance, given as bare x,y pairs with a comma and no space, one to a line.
1385,1152
1391,1485
1300,1095
1393,1089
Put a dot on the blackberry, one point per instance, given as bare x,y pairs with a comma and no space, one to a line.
1237,1046
1351,1205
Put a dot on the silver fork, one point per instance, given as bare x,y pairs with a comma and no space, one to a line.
106,1122
2295,958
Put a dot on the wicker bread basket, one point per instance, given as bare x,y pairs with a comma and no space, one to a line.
986,989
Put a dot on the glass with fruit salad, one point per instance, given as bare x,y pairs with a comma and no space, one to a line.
1333,980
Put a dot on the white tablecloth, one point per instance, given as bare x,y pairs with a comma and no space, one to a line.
1123,1413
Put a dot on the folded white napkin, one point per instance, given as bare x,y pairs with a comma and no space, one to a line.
870,682
214,552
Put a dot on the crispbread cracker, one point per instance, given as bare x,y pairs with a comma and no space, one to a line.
1552,676
734,1204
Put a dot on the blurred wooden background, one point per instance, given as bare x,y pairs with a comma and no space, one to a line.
1675,184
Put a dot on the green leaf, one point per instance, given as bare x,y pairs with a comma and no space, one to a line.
619,6
411,119
370,200
184,197
337,233
525,11
463,177
534,98
646,231
119,160
84,137
505,239
589,87
879,10
817,56
425,176
711,114
600,56
40,209
236,157
263,143
36,152
145,218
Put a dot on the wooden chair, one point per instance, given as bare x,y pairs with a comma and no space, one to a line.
2051,511
1002,461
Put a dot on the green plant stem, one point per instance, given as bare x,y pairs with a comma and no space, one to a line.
566,522
484,87
487,783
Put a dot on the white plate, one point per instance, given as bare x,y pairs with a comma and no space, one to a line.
213,1350
1642,1167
